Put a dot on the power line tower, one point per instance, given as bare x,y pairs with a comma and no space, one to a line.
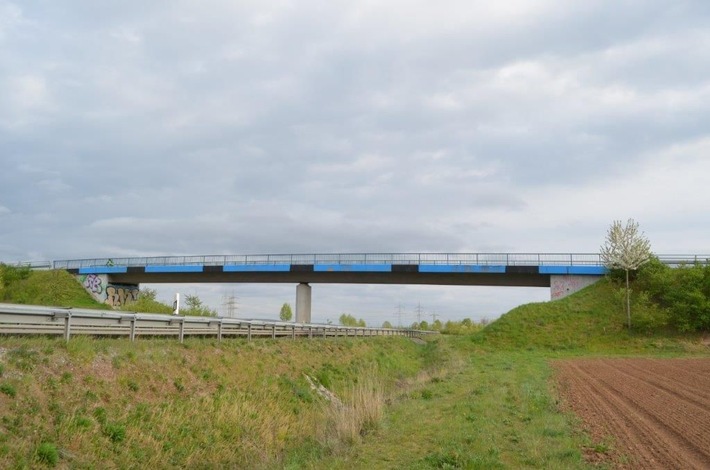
433,316
399,313
230,305
419,311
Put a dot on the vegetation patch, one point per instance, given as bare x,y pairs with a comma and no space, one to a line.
48,454
229,404
8,389
58,288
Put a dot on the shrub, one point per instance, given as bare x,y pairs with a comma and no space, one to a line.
680,296
47,453
115,432
8,389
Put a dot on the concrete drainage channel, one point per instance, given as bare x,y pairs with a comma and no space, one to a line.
66,322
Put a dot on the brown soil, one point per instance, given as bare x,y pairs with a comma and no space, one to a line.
641,413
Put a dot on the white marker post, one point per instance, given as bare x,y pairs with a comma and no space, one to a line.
176,304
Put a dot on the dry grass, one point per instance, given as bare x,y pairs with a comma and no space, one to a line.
155,403
359,412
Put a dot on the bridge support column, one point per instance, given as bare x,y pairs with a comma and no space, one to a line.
303,303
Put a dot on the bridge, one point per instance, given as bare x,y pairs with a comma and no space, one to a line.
116,280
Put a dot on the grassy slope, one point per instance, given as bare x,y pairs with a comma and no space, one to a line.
590,321
480,401
52,288
496,405
486,410
109,402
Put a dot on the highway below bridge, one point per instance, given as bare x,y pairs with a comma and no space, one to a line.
563,273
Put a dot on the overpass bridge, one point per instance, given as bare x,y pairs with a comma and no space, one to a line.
117,280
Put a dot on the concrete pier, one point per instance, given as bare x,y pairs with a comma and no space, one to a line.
303,303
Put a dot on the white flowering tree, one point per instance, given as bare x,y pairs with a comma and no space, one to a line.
625,248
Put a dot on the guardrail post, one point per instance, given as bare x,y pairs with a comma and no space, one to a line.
324,330
249,332
310,332
219,331
133,327
67,327
273,331
293,332
181,333
66,315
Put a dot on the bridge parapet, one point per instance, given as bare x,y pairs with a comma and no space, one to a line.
481,259
342,259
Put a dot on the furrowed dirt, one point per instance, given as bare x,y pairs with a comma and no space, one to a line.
654,412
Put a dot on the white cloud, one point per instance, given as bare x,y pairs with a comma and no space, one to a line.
10,18
130,129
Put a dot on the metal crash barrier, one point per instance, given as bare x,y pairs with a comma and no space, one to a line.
37,320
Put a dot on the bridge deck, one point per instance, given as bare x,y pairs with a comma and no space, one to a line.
347,259
484,269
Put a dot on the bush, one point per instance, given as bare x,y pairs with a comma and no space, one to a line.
47,453
648,316
115,432
8,389
12,274
679,295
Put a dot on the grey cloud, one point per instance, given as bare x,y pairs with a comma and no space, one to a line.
133,128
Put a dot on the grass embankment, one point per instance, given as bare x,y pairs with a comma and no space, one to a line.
496,405
155,403
52,288
478,401
591,321
486,410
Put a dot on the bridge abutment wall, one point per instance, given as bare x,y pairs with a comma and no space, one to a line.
101,288
563,285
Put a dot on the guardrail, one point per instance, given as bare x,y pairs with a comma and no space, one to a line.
480,259
36,265
37,320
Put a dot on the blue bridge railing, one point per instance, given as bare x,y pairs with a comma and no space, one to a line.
480,259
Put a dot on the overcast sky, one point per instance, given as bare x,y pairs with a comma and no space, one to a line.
138,128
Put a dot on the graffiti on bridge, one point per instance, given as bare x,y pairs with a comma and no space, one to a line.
118,295
93,283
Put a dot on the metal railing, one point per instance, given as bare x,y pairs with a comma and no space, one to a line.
35,265
480,259
38,320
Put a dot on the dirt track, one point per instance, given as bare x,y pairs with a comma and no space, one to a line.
656,410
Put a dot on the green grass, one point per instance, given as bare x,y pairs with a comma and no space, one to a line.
52,288
159,403
484,410
591,321
486,400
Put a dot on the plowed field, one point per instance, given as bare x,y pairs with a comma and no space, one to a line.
657,411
